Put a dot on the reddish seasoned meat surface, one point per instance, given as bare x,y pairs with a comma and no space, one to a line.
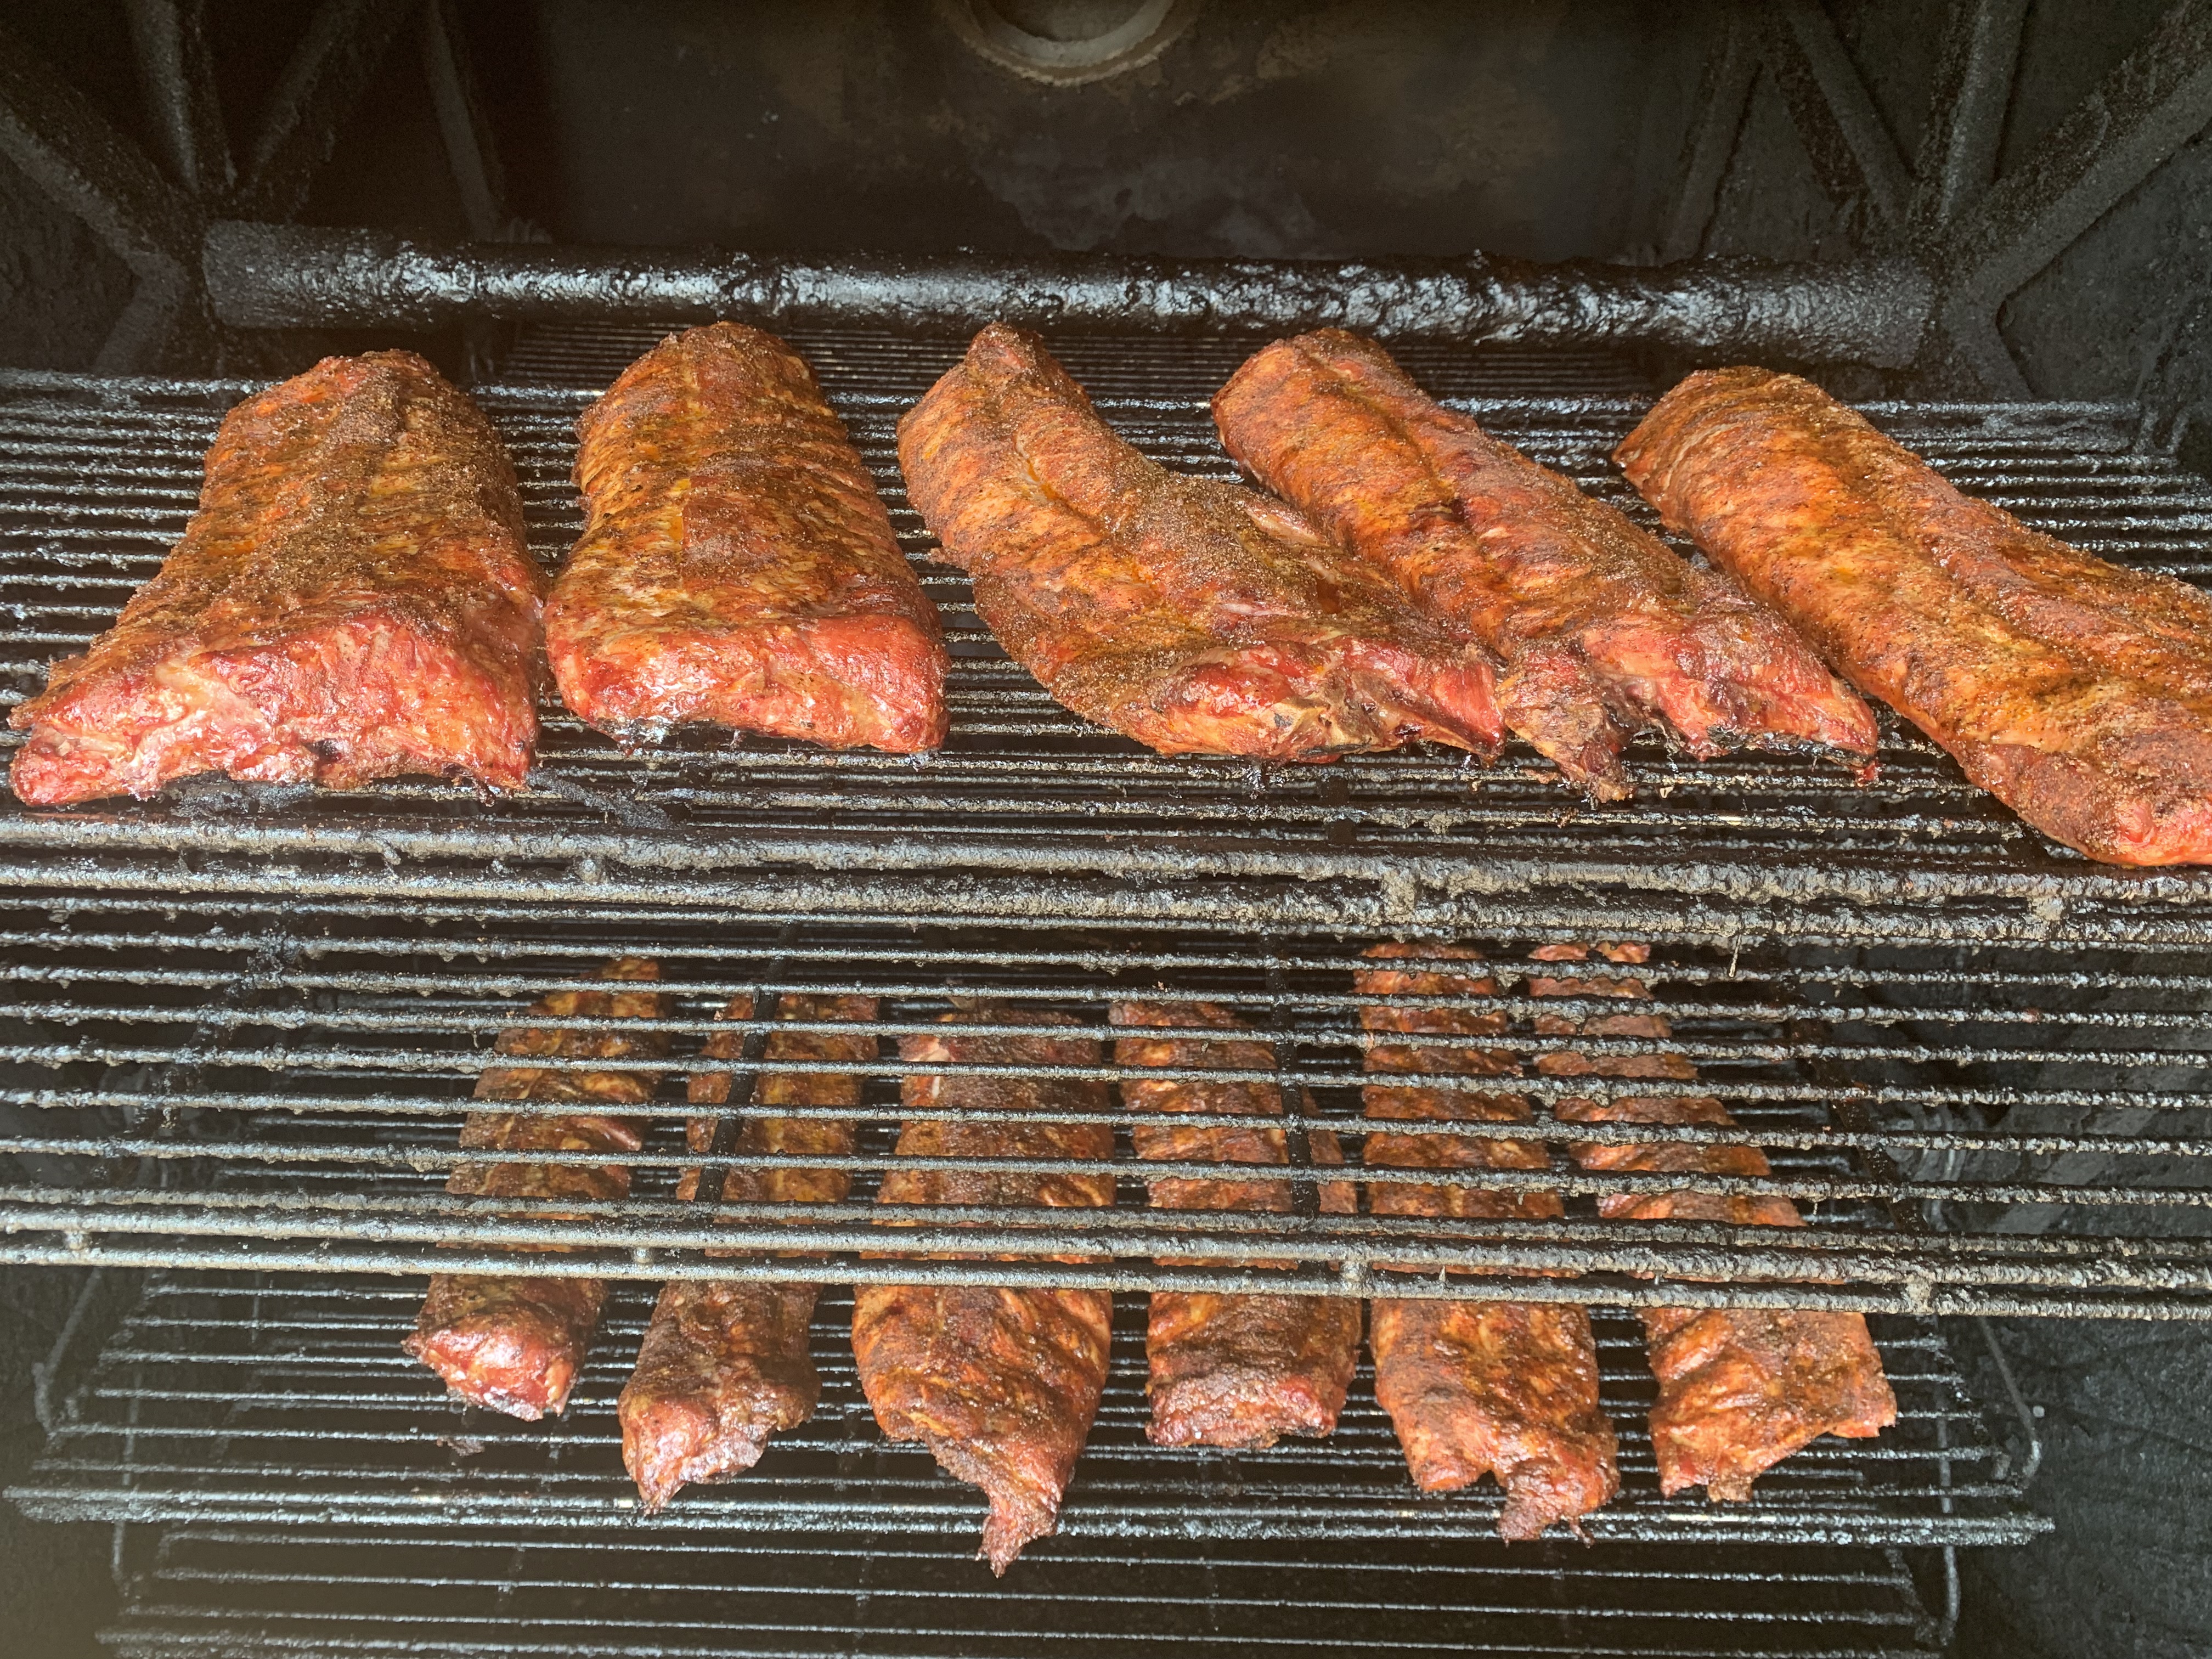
725,1364
1504,1389
352,599
1601,630
1192,616
514,1344
2079,693
738,565
1001,1384
1740,1389
1226,1369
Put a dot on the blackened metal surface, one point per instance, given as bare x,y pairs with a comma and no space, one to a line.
209,1084
268,276
250,1400
56,135
256,1592
1028,814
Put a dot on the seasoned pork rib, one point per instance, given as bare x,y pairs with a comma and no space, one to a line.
1601,630
512,1343
726,1363
1740,1389
1504,1389
1001,1384
1194,617
737,566
2079,693
1229,1370
351,601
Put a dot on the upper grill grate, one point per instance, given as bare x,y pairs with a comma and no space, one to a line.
1029,814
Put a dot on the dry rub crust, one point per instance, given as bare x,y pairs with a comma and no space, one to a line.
1504,1389
352,599
999,1384
727,1363
739,565
1226,1369
1194,616
2076,692
1740,1389
1601,628
515,1343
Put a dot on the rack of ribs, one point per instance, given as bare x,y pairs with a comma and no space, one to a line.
1740,1389
1001,1384
1230,1369
352,599
1491,1387
2078,693
1600,629
515,1343
1192,616
737,565
726,1363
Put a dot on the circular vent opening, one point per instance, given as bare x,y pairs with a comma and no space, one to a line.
1066,42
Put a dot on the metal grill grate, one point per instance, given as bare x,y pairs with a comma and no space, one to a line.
1029,812
249,1593
267,1400
280,1085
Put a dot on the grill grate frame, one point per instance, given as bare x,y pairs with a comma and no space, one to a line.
268,1400
249,1593
1028,813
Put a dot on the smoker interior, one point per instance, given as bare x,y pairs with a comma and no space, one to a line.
242,1038
239,1027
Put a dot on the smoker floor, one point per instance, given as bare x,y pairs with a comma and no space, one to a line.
257,1593
1030,812
286,1400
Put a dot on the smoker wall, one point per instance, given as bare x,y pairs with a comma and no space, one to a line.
1548,128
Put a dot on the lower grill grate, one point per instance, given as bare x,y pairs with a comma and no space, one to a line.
287,1401
249,1593
872,362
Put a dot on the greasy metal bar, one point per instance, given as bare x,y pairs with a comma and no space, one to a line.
345,1253
1811,1189
270,276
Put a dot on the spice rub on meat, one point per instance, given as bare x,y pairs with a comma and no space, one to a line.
1001,1384
1230,1369
2076,692
1486,1386
514,1343
352,599
727,1363
1192,616
738,565
1740,1389
1601,630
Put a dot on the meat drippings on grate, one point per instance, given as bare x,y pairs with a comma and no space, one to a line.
727,1362
514,1343
1482,1386
1740,1389
1230,1369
